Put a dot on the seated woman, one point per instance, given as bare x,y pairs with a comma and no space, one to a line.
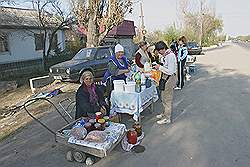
89,98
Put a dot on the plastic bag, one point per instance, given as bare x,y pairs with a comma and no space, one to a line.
78,132
96,136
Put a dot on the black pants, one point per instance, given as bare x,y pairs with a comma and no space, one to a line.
181,75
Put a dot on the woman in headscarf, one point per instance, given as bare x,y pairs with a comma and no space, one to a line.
89,98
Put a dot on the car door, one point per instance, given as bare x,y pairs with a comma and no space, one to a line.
101,61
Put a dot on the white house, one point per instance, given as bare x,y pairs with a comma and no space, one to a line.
21,39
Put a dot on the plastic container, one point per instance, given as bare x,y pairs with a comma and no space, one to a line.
130,86
119,85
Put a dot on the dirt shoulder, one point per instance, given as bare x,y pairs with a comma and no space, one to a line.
12,114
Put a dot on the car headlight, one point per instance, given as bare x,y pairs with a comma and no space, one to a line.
68,71
50,70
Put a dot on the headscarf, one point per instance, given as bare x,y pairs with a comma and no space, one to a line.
93,98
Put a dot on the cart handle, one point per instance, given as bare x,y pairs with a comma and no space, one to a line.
27,103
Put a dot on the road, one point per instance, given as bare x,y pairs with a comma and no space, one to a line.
210,129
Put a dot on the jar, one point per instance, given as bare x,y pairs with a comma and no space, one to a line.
92,121
88,126
138,128
106,118
132,136
98,126
98,115
102,122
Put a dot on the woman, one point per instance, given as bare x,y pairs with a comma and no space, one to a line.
142,55
168,70
89,98
118,66
182,57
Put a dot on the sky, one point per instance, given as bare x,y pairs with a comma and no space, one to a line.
159,14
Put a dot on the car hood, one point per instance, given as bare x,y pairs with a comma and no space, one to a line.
68,64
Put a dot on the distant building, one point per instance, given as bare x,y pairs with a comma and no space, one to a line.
21,40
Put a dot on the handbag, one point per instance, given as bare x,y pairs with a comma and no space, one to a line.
162,83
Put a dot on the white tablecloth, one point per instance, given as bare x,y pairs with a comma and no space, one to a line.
132,103
114,132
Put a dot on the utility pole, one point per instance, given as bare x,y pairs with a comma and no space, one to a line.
142,29
201,22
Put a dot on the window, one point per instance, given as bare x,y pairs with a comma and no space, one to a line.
39,41
4,43
103,53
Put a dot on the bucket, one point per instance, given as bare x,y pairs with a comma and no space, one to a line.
119,85
130,86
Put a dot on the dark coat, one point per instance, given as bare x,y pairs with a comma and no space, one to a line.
83,107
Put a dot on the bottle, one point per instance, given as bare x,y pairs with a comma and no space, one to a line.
147,67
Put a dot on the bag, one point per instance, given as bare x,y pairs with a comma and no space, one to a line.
162,83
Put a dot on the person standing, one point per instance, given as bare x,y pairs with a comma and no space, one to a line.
168,70
142,55
182,57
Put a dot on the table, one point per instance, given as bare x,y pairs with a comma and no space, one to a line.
115,133
133,103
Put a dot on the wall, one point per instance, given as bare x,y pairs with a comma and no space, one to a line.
22,57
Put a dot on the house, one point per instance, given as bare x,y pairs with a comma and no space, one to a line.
122,34
21,41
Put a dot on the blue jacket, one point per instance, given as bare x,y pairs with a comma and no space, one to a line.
182,53
119,66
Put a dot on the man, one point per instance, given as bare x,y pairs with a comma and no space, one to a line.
168,70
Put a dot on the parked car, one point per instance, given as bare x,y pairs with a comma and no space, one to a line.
94,59
194,48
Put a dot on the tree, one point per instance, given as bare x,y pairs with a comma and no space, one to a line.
50,22
99,16
200,22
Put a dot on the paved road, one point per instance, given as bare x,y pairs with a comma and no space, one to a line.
211,128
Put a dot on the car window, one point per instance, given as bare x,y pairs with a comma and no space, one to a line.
103,53
85,54
193,44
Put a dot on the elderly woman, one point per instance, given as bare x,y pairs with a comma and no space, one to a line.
89,98
142,55
118,65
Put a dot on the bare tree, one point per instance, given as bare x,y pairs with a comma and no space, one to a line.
99,16
199,17
50,22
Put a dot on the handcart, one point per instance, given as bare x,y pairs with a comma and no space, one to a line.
80,152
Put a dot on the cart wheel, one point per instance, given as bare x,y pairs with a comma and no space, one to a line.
79,156
69,156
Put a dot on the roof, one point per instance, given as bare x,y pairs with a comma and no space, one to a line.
21,18
126,28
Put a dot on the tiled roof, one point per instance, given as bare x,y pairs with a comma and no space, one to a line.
126,28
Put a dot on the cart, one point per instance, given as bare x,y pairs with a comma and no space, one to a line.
78,153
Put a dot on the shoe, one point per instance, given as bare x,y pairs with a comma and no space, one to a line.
164,121
177,88
159,116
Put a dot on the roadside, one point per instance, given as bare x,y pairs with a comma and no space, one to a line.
13,117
